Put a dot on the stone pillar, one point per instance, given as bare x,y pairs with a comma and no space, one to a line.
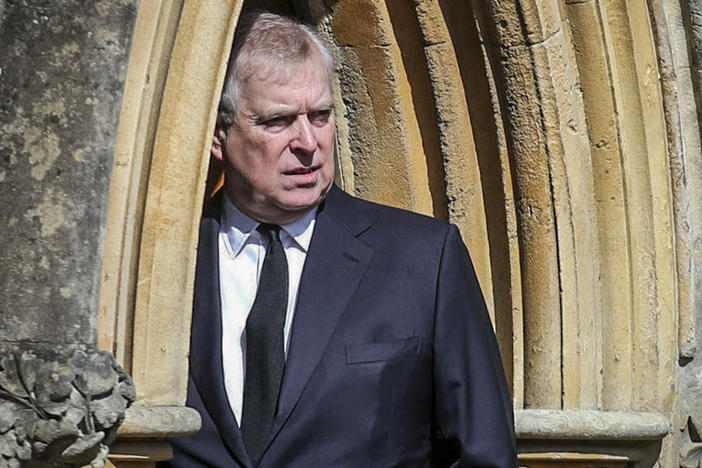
62,69
175,73
602,147
688,24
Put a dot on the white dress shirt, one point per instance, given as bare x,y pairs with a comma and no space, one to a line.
241,253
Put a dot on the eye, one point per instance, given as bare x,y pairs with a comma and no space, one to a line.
279,122
319,117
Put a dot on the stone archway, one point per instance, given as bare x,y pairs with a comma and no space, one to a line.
540,128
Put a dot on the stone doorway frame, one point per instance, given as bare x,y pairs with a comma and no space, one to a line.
176,68
175,73
158,185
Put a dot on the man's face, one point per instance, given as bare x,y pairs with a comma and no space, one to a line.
280,150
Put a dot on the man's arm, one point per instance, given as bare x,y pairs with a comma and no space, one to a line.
472,416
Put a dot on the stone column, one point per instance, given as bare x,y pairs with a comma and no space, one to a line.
174,79
588,128
62,69
688,69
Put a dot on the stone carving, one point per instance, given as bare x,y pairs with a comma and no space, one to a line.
691,450
60,409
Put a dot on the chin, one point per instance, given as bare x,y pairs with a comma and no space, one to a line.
304,197
301,205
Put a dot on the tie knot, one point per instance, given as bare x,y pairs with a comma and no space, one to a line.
270,231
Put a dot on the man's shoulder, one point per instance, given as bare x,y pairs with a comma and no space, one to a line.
384,217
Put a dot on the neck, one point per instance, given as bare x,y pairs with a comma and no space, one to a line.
280,217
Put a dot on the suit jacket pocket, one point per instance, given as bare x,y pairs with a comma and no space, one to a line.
385,351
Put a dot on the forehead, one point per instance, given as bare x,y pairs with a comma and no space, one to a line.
267,73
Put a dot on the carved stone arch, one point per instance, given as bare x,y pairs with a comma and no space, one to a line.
536,126
175,72
396,75
405,139
588,105
178,59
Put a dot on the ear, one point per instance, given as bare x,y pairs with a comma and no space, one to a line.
218,148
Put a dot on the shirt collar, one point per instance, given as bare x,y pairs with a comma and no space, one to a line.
239,227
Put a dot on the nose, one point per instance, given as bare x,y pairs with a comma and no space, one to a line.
305,141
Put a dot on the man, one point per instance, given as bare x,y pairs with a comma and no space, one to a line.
328,331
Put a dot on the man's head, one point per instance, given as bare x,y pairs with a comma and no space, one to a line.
275,125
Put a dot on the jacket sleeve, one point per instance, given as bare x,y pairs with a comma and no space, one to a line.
473,422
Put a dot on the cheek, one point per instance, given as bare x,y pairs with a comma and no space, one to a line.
329,167
262,154
328,134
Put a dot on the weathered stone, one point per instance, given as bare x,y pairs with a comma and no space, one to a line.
160,421
691,456
590,424
62,67
57,409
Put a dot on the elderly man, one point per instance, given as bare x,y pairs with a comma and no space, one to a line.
328,331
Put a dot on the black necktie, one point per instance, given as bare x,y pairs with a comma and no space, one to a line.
265,358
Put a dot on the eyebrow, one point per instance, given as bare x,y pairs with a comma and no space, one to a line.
285,112
267,115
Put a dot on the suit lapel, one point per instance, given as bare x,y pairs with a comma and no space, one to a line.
335,264
206,337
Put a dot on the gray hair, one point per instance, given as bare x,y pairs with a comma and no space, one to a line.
267,42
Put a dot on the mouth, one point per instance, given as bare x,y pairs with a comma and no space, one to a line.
303,176
302,171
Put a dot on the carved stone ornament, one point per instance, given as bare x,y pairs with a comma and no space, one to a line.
60,409
691,450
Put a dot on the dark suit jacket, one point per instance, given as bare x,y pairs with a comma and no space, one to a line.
392,359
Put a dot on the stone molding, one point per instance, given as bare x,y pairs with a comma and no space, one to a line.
590,425
587,438
141,439
160,421
60,408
